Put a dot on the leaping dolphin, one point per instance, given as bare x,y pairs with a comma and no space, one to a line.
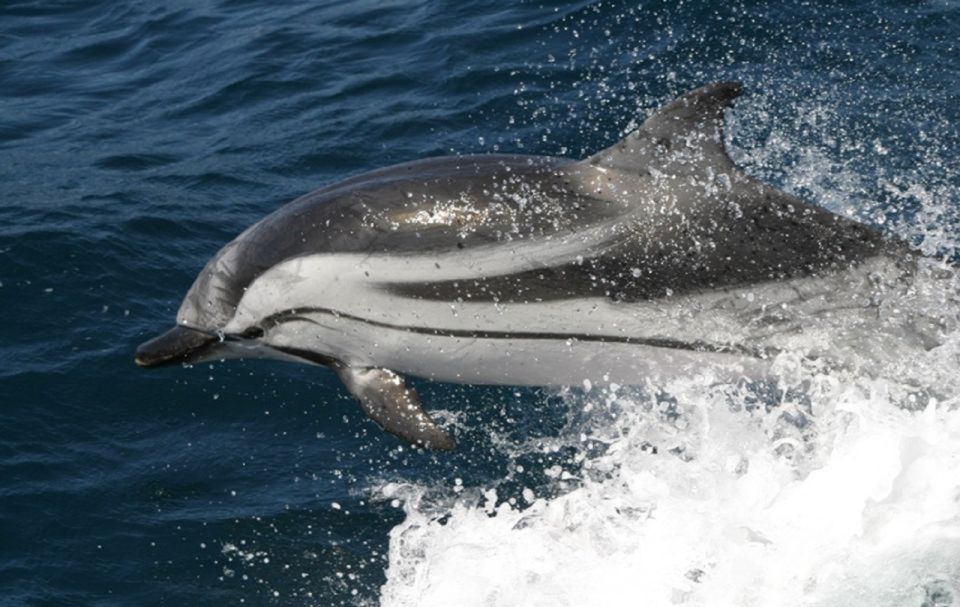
656,255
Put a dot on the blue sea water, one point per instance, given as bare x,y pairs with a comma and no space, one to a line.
138,138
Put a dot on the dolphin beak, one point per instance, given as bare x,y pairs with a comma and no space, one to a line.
179,344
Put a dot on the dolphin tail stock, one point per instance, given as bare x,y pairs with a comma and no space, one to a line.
387,400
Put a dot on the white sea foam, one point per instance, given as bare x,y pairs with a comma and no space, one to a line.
857,505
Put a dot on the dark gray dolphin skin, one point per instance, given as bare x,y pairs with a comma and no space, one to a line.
654,256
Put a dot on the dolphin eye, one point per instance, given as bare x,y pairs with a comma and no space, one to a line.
252,333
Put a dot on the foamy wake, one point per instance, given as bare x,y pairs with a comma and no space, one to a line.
824,489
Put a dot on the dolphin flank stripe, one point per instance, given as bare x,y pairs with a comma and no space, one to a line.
297,314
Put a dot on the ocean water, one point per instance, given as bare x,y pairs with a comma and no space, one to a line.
138,138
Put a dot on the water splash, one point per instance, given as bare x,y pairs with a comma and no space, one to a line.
710,494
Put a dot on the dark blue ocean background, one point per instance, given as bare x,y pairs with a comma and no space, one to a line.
138,138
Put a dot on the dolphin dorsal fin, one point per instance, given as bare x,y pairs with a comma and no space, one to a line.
684,136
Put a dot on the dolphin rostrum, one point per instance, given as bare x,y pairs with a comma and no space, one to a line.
656,255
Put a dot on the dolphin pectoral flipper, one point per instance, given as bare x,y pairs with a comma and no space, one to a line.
386,399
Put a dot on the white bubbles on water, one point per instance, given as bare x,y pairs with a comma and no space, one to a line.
833,496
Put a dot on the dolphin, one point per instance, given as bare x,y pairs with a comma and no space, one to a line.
656,255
